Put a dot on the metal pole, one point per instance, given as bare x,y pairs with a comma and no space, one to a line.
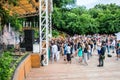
51,6
44,28
50,25
47,32
40,33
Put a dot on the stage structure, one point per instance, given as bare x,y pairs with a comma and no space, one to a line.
45,27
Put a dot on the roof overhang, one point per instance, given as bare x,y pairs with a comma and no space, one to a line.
25,8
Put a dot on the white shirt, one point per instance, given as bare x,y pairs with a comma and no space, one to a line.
54,49
98,46
68,50
113,43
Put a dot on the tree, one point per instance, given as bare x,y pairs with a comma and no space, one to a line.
4,14
78,20
61,3
6,18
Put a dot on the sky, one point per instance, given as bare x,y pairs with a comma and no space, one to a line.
92,3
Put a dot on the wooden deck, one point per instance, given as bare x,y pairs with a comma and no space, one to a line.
75,71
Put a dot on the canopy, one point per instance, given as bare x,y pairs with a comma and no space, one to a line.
25,8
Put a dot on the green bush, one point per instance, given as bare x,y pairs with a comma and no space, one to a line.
5,66
8,64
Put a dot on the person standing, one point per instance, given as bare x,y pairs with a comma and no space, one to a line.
108,46
58,53
98,46
54,51
118,50
102,55
91,47
69,53
85,53
65,50
113,45
80,53
89,52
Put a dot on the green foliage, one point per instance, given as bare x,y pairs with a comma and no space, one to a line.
13,2
8,64
61,3
100,19
55,33
4,15
10,2
6,18
36,33
5,66
15,22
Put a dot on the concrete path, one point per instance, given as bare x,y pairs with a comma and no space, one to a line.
75,71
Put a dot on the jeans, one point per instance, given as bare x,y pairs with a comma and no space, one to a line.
108,49
85,58
98,52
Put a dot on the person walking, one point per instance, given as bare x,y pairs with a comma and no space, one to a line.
80,53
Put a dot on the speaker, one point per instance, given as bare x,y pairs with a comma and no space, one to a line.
29,39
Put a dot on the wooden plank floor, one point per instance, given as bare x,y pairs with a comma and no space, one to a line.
75,71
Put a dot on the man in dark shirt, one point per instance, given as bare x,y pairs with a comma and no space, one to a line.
102,55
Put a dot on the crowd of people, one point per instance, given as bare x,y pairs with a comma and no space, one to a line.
84,46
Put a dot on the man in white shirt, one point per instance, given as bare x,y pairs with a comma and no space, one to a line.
113,45
54,52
